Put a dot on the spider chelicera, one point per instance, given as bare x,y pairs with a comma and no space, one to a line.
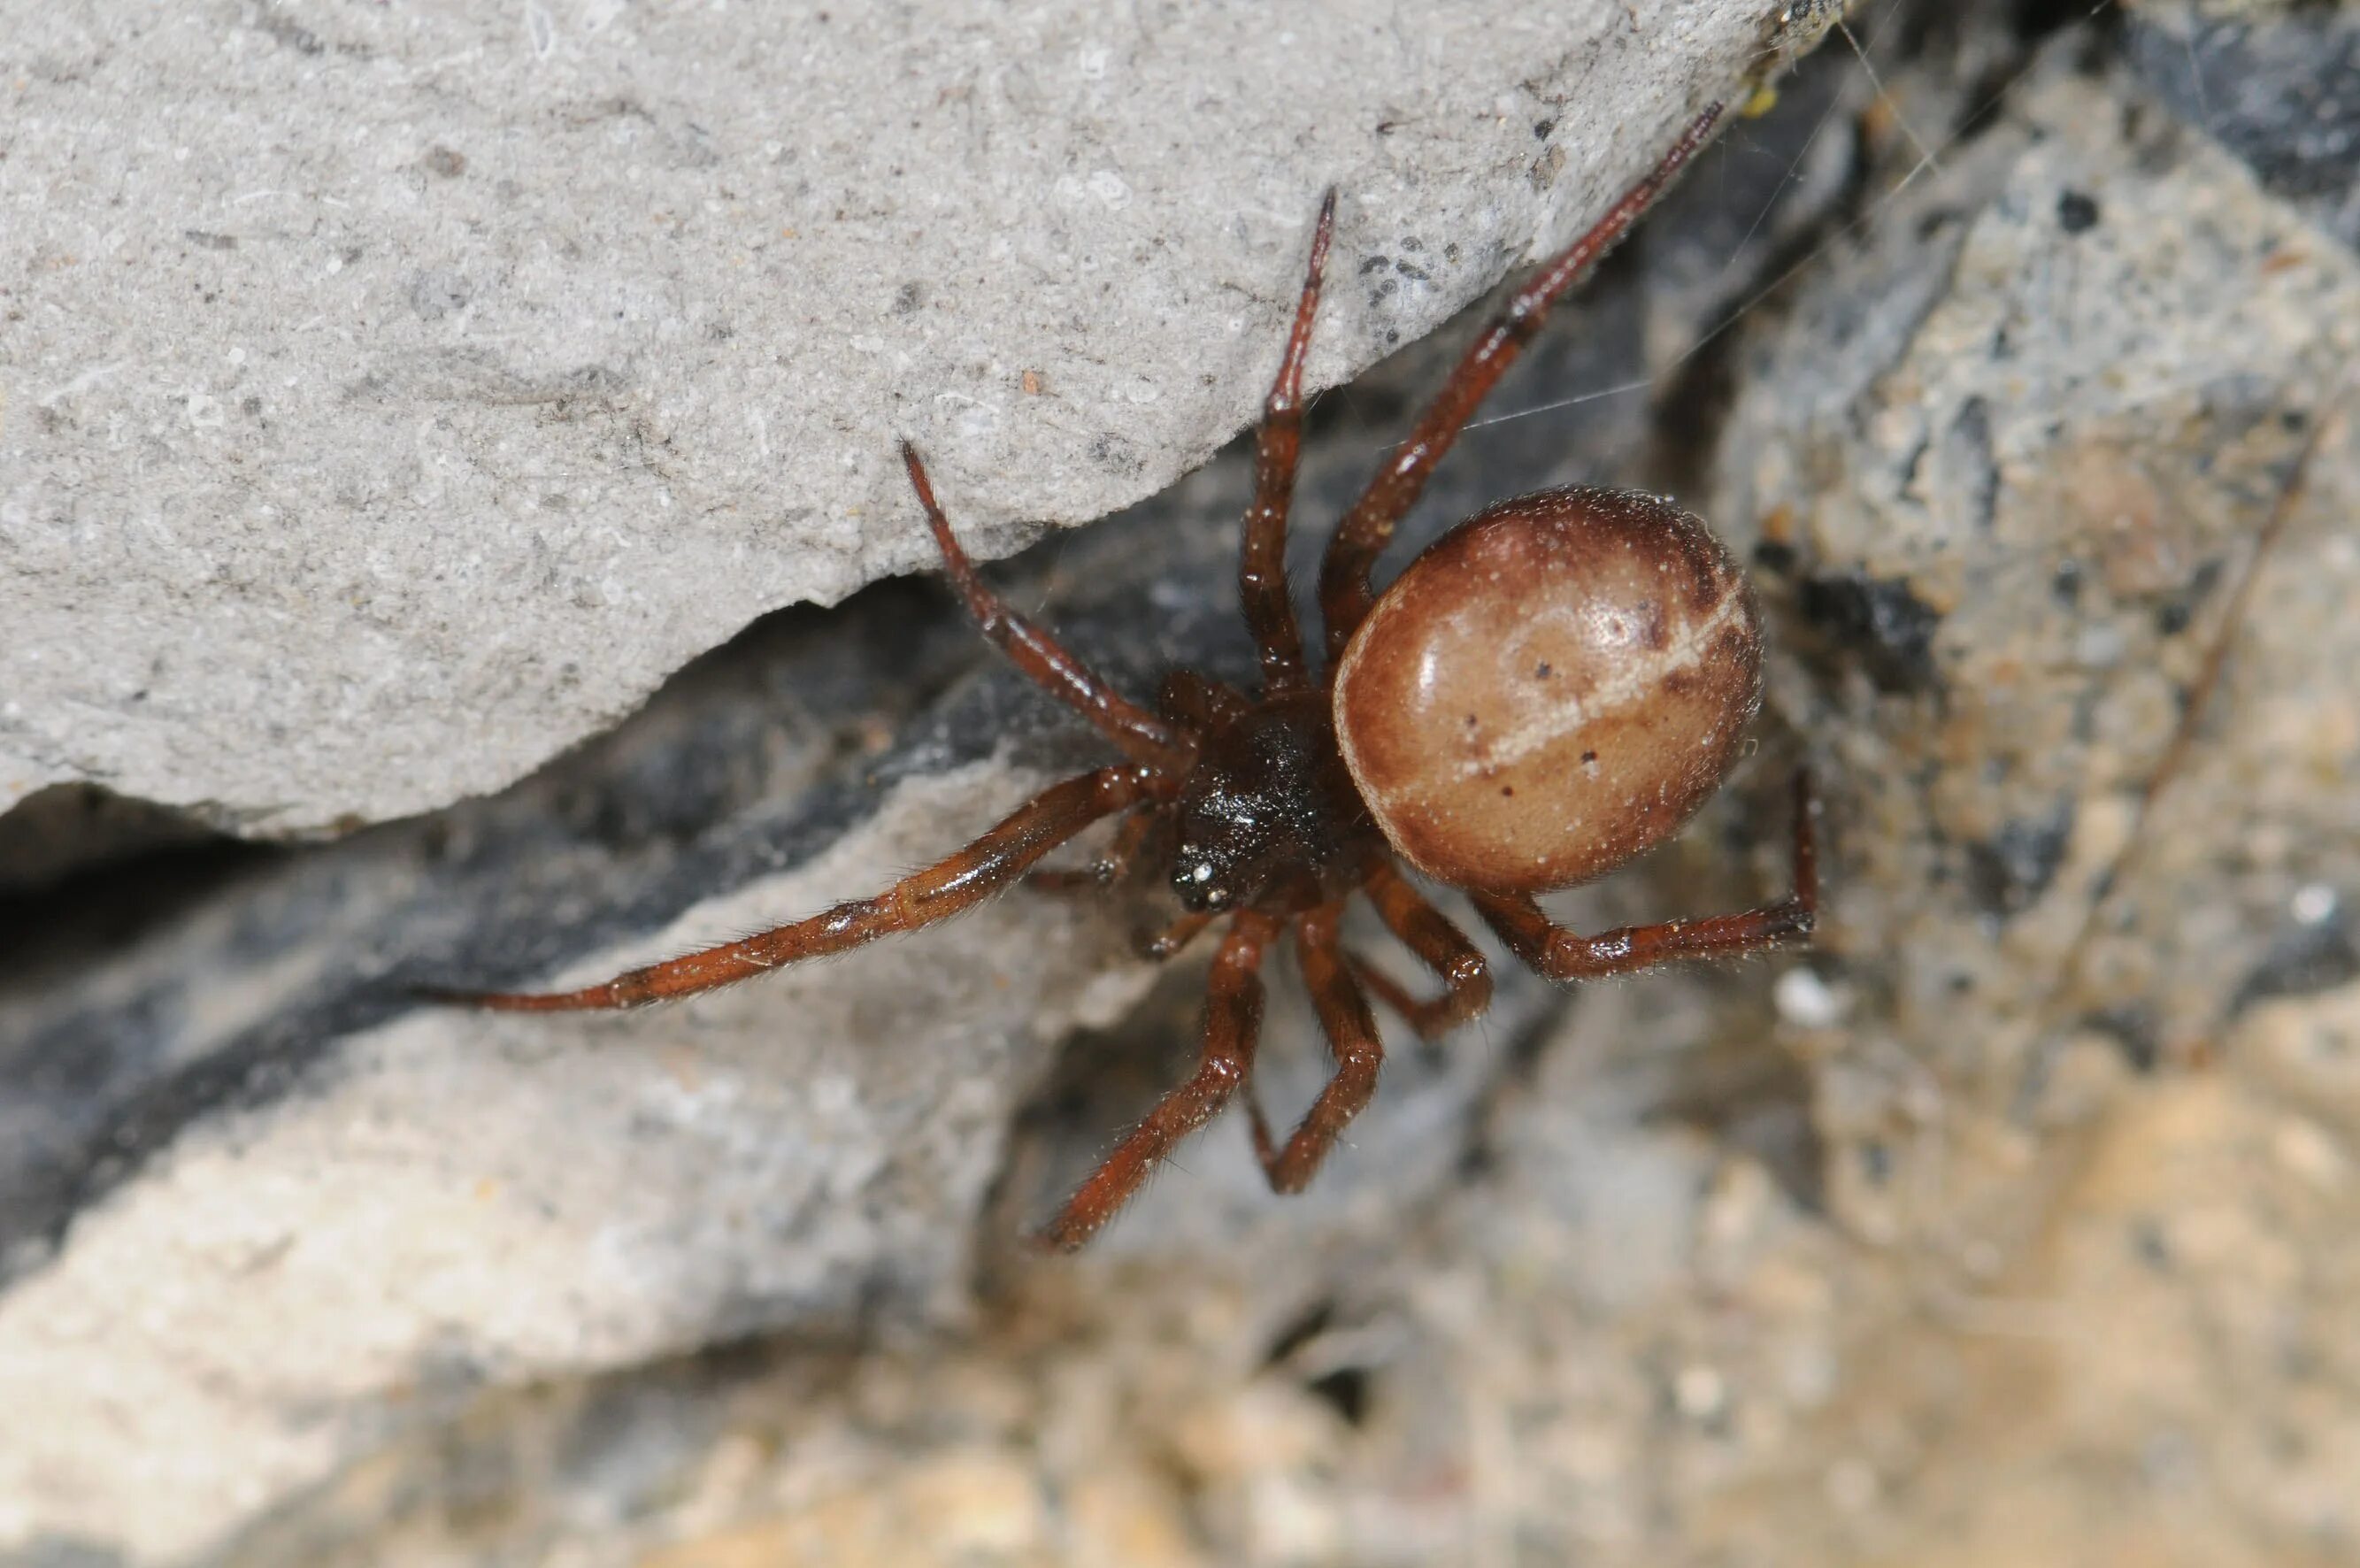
1556,684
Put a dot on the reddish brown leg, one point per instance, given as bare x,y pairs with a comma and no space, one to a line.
1144,842
1344,593
1141,735
1562,955
1233,1023
959,882
1351,1031
1261,564
1175,936
1107,869
1440,945
1200,703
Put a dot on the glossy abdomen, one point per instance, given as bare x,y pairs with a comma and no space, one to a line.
1553,687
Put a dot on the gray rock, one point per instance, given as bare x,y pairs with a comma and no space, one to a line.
389,399
2011,466
2279,86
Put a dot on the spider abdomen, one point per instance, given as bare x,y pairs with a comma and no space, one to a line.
1553,686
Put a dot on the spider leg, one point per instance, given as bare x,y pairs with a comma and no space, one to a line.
958,882
1440,945
1261,563
1140,734
1144,840
1351,1031
1233,1024
1562,955
1344,593
1168,941
1200,703
1107,869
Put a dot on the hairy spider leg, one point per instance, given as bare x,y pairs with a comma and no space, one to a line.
1198,704
958,882
1344,591
1262,560
1351,1031
1201,702
1183,931
1440,945
1137,732
1107,869
1232,1026
1161,757
1562,955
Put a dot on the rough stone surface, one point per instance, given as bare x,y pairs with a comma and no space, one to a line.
2012,1225
449,1201
2009,471
392,395
1621,1345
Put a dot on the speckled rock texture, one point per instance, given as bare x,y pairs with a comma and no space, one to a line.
393,395
2016,520
2013,1223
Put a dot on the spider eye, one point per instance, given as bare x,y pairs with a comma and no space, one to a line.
1198,882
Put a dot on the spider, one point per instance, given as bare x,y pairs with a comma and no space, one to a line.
1553,686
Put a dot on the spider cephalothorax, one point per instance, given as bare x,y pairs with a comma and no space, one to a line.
1268,815
1555,685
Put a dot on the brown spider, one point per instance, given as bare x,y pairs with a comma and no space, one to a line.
1553,686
